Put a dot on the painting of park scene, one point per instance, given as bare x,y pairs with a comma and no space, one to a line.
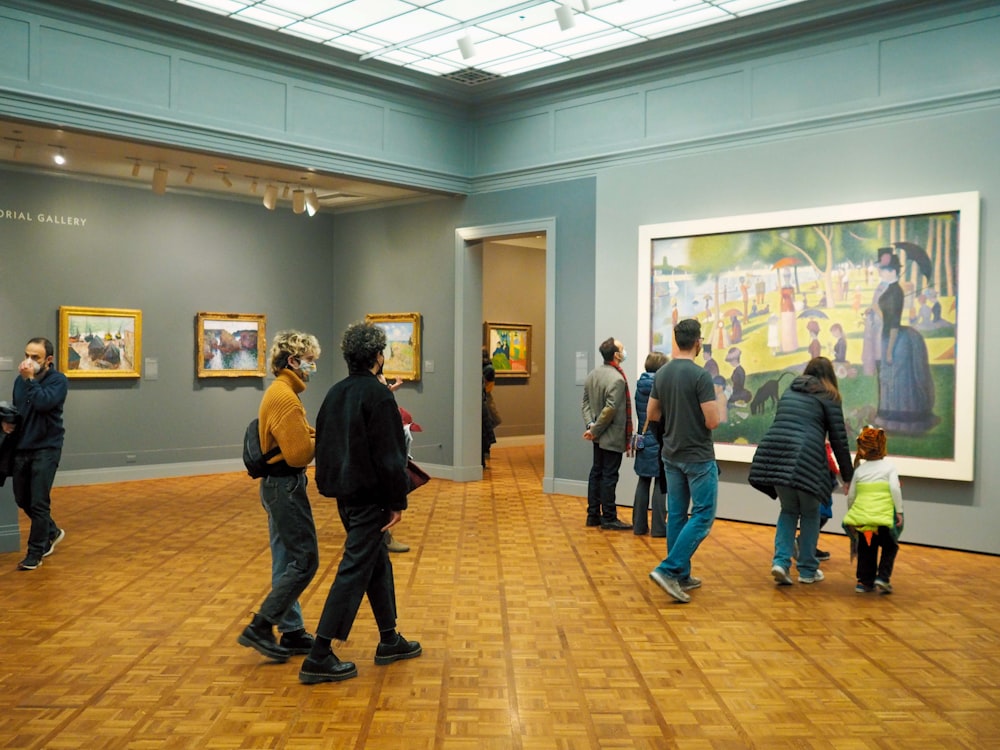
886,291
402,348
99,342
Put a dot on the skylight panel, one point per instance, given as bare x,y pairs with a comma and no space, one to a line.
358,14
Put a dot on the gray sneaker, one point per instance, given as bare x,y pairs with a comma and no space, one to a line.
671,585
690,583
883,586
815,578
780,576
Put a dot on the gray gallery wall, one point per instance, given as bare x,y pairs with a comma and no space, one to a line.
169,256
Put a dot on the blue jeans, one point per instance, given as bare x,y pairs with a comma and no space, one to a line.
601,485
800,509
32,478
692,487
294,549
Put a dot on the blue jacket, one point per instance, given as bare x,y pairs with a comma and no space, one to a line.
647,460
39,405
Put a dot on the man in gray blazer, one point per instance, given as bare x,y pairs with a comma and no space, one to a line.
607,412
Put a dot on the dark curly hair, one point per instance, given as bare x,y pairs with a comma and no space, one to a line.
361,345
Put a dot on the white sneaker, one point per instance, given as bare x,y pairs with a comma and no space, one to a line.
780,576
813,578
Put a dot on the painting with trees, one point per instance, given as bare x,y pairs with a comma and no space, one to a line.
886,291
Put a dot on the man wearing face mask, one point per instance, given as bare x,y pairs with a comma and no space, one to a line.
294,549
361,461
607,412
39,395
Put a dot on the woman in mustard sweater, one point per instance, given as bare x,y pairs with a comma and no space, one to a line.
874,517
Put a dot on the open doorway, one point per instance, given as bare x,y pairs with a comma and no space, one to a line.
482,254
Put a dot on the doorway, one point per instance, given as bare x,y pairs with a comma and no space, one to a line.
472,244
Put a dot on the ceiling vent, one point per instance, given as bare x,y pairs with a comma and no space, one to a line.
470,76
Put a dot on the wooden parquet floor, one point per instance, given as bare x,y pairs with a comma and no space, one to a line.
537,632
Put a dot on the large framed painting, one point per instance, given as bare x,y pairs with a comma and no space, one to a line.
886,290
99,342
402,349
509,347
230,345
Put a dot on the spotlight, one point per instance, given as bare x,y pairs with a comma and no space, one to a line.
226,181
466,47
135,168
190,176
564,14
159,180
312,203
270,197
285,193
17,152
298,200
59,157
253,186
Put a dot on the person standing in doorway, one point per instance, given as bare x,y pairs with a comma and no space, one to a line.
39,395
361,461
683,396
607,412
647,457
294,549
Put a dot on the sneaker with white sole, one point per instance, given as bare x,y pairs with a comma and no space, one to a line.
671,585
780,576
690,583
60,535
815,578
883,586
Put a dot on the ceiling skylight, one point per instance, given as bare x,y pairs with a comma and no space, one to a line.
506,37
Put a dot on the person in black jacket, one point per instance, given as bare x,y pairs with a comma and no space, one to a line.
790,464
361,461
39,396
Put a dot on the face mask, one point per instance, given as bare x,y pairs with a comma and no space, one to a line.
624,355
306,367
35,366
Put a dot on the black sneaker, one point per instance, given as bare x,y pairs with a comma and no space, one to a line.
256,637
59,536
822,555
331,669
616,525
29,563
298,642
387,653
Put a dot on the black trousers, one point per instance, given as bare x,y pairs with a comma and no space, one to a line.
870,566
364,569
602,483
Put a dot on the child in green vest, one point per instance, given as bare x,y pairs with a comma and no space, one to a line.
874,517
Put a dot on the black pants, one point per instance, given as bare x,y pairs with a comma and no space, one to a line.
364,569
870,566
34,473
601,485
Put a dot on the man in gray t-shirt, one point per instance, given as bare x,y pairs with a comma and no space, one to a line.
683,397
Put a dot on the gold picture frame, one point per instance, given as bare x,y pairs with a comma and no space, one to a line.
231,345
402,349
99,342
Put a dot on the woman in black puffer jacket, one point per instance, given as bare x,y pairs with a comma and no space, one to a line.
790,464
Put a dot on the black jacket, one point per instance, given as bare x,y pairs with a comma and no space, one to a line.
793,452
360,446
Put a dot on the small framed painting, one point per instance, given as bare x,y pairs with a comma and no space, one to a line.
402,348
509,347
99,342
230,345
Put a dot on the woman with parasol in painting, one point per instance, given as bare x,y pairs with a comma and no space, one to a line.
906,388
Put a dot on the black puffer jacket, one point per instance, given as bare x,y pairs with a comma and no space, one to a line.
793,452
